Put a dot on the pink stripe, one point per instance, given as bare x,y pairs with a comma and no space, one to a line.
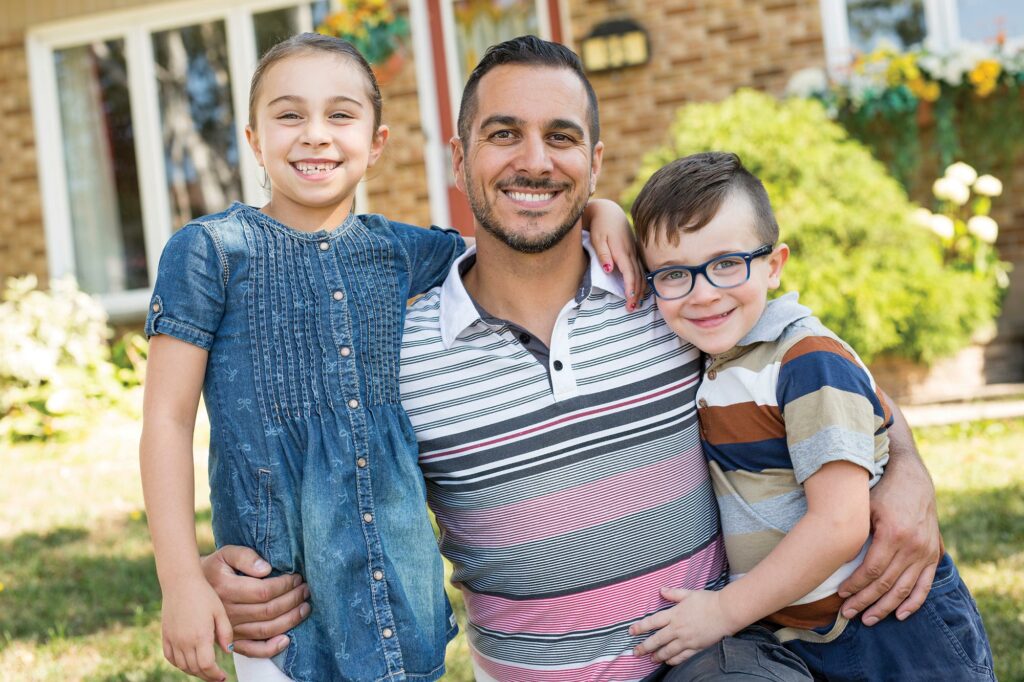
564,511
556,422
624,601
624,667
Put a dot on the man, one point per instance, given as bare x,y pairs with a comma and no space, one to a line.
557,429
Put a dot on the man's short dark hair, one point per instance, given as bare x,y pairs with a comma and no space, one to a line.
685,195
526,51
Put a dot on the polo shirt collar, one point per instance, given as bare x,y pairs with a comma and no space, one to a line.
458,312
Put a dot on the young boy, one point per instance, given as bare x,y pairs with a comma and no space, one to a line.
795,436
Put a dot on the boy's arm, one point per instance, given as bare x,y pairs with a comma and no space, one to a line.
831,533
192,614
906,546
612,239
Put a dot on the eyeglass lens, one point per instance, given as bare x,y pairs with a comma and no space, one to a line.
724,272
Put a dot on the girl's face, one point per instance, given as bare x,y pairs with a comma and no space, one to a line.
315,137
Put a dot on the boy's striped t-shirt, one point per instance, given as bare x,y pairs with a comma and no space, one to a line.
567,495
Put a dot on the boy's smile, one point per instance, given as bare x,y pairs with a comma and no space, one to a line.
712,318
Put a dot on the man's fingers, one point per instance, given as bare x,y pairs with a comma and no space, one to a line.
920,592
876,561
915,582
271,628
261,648
262,611
244,560
238,589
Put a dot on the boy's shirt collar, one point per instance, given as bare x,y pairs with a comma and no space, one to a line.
458,311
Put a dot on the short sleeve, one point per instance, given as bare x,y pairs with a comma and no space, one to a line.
188,299
831,409
431,253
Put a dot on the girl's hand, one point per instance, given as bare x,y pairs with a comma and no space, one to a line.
612,239
696,622
192,619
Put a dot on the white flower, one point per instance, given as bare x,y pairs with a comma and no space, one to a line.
807,82
984,228
941,225
950,189
961,172
921,217
988,186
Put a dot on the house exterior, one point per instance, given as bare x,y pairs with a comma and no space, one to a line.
122,119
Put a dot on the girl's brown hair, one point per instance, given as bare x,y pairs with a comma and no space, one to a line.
304,43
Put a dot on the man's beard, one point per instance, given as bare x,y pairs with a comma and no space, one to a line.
484,213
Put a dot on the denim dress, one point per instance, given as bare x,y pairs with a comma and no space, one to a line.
312,458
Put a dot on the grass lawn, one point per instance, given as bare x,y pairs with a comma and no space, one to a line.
79,598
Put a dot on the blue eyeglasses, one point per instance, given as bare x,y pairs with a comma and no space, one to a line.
724,272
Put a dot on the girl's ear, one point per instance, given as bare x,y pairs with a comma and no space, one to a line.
254,143
776,260
380,138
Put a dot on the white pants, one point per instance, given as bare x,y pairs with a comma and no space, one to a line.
258,670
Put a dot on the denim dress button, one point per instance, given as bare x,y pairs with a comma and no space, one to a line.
345,351
324,246
378,575
388,633
361,462
368,517
338,295
353,403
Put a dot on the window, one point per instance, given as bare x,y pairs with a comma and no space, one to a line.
857,26
140,119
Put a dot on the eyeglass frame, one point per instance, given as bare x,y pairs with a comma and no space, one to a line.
702,269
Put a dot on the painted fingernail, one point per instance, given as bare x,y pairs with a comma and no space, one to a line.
231,647
870,620
607,267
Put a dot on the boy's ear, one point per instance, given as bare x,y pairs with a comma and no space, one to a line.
776,260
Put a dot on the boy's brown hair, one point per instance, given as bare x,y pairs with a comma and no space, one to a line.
685,195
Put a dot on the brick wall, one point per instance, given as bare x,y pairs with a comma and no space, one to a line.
22,241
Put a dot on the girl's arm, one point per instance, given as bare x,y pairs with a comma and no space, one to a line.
192,614
612,238
830,534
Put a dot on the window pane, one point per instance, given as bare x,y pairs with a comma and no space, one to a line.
198,123
321,9
983,20
273,27
102,180
482,23
897,22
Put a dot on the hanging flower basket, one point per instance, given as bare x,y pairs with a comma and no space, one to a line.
375,30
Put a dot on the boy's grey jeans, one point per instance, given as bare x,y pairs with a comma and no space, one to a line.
753,654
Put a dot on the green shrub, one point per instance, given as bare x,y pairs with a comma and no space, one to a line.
56,374
858,258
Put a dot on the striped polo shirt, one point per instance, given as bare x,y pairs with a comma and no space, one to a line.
568,493
789,398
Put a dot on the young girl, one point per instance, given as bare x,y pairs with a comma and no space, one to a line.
288,319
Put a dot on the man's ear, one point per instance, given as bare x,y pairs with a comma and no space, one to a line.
595,165
776,261
458,163
254,143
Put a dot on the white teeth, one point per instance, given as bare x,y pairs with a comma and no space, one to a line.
523,196
312,168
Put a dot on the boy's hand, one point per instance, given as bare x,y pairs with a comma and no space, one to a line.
696,622
612,239
193,618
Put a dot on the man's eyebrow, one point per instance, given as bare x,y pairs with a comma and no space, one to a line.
515,121
566,124
300,100
501,120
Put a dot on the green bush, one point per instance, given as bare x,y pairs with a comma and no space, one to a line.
858,259
56,374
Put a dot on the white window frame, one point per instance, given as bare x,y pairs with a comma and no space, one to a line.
942,31
135,27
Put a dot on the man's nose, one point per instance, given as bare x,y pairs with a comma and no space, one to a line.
534,157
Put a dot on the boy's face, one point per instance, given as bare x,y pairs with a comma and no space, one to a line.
711,318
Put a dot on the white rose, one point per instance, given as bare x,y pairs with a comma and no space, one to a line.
988,186
984,228
941,225
951,189
807,82
961,172
921,217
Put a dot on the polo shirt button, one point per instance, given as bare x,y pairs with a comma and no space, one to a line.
339,294
388,633
361,462
557,365
702,403
345,351
324,246
712,374
378,575
353,403
368,517
524,339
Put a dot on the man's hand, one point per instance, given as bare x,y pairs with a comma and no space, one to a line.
260,609
898,569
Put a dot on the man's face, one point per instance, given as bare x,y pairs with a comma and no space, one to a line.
528,167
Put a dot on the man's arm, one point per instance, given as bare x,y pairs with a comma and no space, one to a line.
899,567
261,609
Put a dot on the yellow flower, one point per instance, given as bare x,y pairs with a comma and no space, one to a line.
135,515
985,76
1,587
902,69
927,90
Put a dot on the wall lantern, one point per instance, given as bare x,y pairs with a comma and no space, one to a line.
616,44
